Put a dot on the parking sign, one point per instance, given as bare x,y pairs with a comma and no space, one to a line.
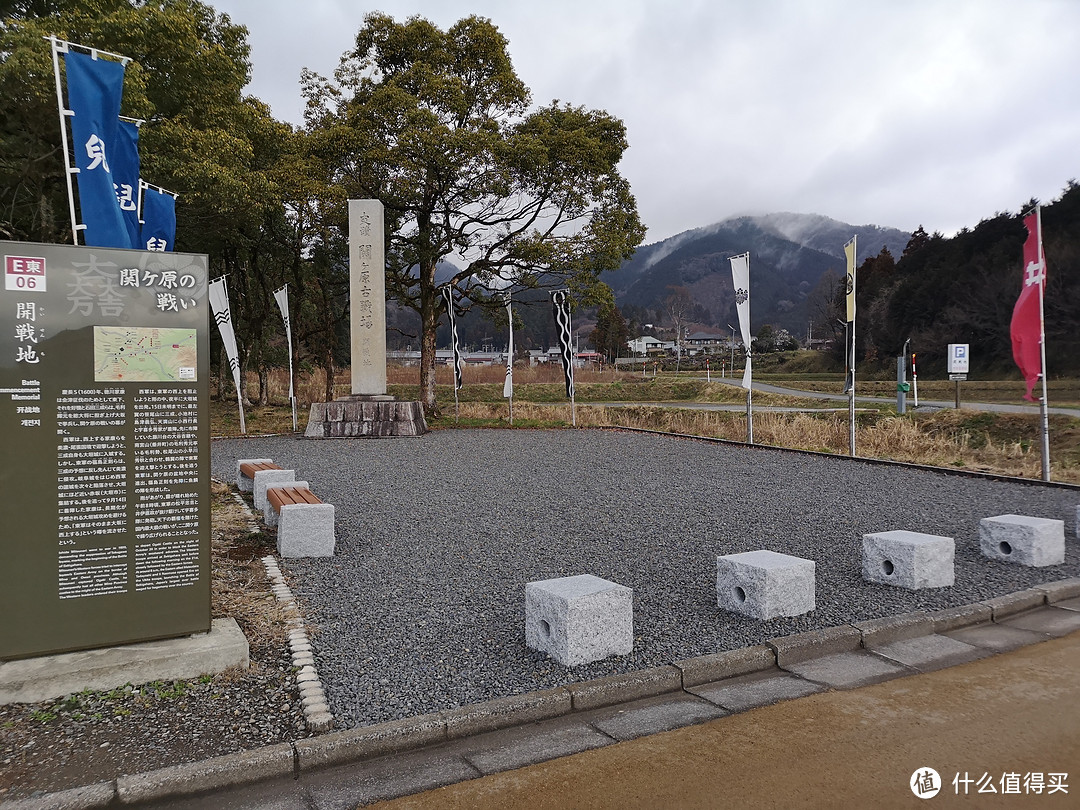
958,358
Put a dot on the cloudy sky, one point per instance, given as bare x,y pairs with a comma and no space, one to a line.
931,112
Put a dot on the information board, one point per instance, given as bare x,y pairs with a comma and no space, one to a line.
104,447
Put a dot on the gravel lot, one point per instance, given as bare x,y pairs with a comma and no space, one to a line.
422,608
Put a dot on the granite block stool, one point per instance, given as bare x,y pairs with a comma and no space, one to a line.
579,619
1031,541
306,530
909,559
272,513
765,584
268,478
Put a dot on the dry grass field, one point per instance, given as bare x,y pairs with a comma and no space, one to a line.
1004,444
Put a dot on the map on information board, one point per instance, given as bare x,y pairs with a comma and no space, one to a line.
144,354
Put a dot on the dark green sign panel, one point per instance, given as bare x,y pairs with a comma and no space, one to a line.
104,447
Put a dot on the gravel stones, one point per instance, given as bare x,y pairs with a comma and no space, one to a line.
421,608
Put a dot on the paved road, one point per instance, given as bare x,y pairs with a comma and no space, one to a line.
795,392
1017,713
928,403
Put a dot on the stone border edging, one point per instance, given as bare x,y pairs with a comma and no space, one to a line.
312,696
289,760
317,713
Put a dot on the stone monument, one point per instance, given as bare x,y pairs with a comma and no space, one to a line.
369,410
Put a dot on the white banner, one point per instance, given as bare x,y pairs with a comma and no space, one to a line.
740,279
508,384
219,305
282,298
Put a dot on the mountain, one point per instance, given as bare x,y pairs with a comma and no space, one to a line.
789,253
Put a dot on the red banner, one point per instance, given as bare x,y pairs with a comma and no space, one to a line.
1026,328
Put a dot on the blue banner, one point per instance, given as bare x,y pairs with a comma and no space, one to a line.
158,220
125,171
94,88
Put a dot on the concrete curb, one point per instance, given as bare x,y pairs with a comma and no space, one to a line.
211,774
370,742
894,628
963,616
89,797
601,692
514,710
1012,603
718,666
1062,589
814,644
409,734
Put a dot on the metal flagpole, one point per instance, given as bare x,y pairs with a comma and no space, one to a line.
1043,417
59,47
851,393
456,416
851,396
749,416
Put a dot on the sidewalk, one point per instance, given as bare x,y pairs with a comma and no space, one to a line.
837,717
1018,713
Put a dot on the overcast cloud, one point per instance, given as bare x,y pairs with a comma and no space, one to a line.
931,112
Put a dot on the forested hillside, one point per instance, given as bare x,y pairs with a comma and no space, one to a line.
962,290
789,255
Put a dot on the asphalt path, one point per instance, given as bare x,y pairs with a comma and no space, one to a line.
766,388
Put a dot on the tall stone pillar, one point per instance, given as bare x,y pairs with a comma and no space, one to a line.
369,410
367,297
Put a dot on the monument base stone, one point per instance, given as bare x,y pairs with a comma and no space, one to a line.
359,416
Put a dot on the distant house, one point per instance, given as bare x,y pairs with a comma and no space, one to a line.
582,359
647,344
485,359
704,342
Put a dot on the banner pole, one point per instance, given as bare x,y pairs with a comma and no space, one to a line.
749,417
851,393
1044,418
851,397
69,170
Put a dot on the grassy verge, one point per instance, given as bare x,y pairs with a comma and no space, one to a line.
1006,444
1002,444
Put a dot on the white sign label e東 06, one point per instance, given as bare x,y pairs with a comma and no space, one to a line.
24,273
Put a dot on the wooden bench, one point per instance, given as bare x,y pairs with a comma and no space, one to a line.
279,496
304,523
246,469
